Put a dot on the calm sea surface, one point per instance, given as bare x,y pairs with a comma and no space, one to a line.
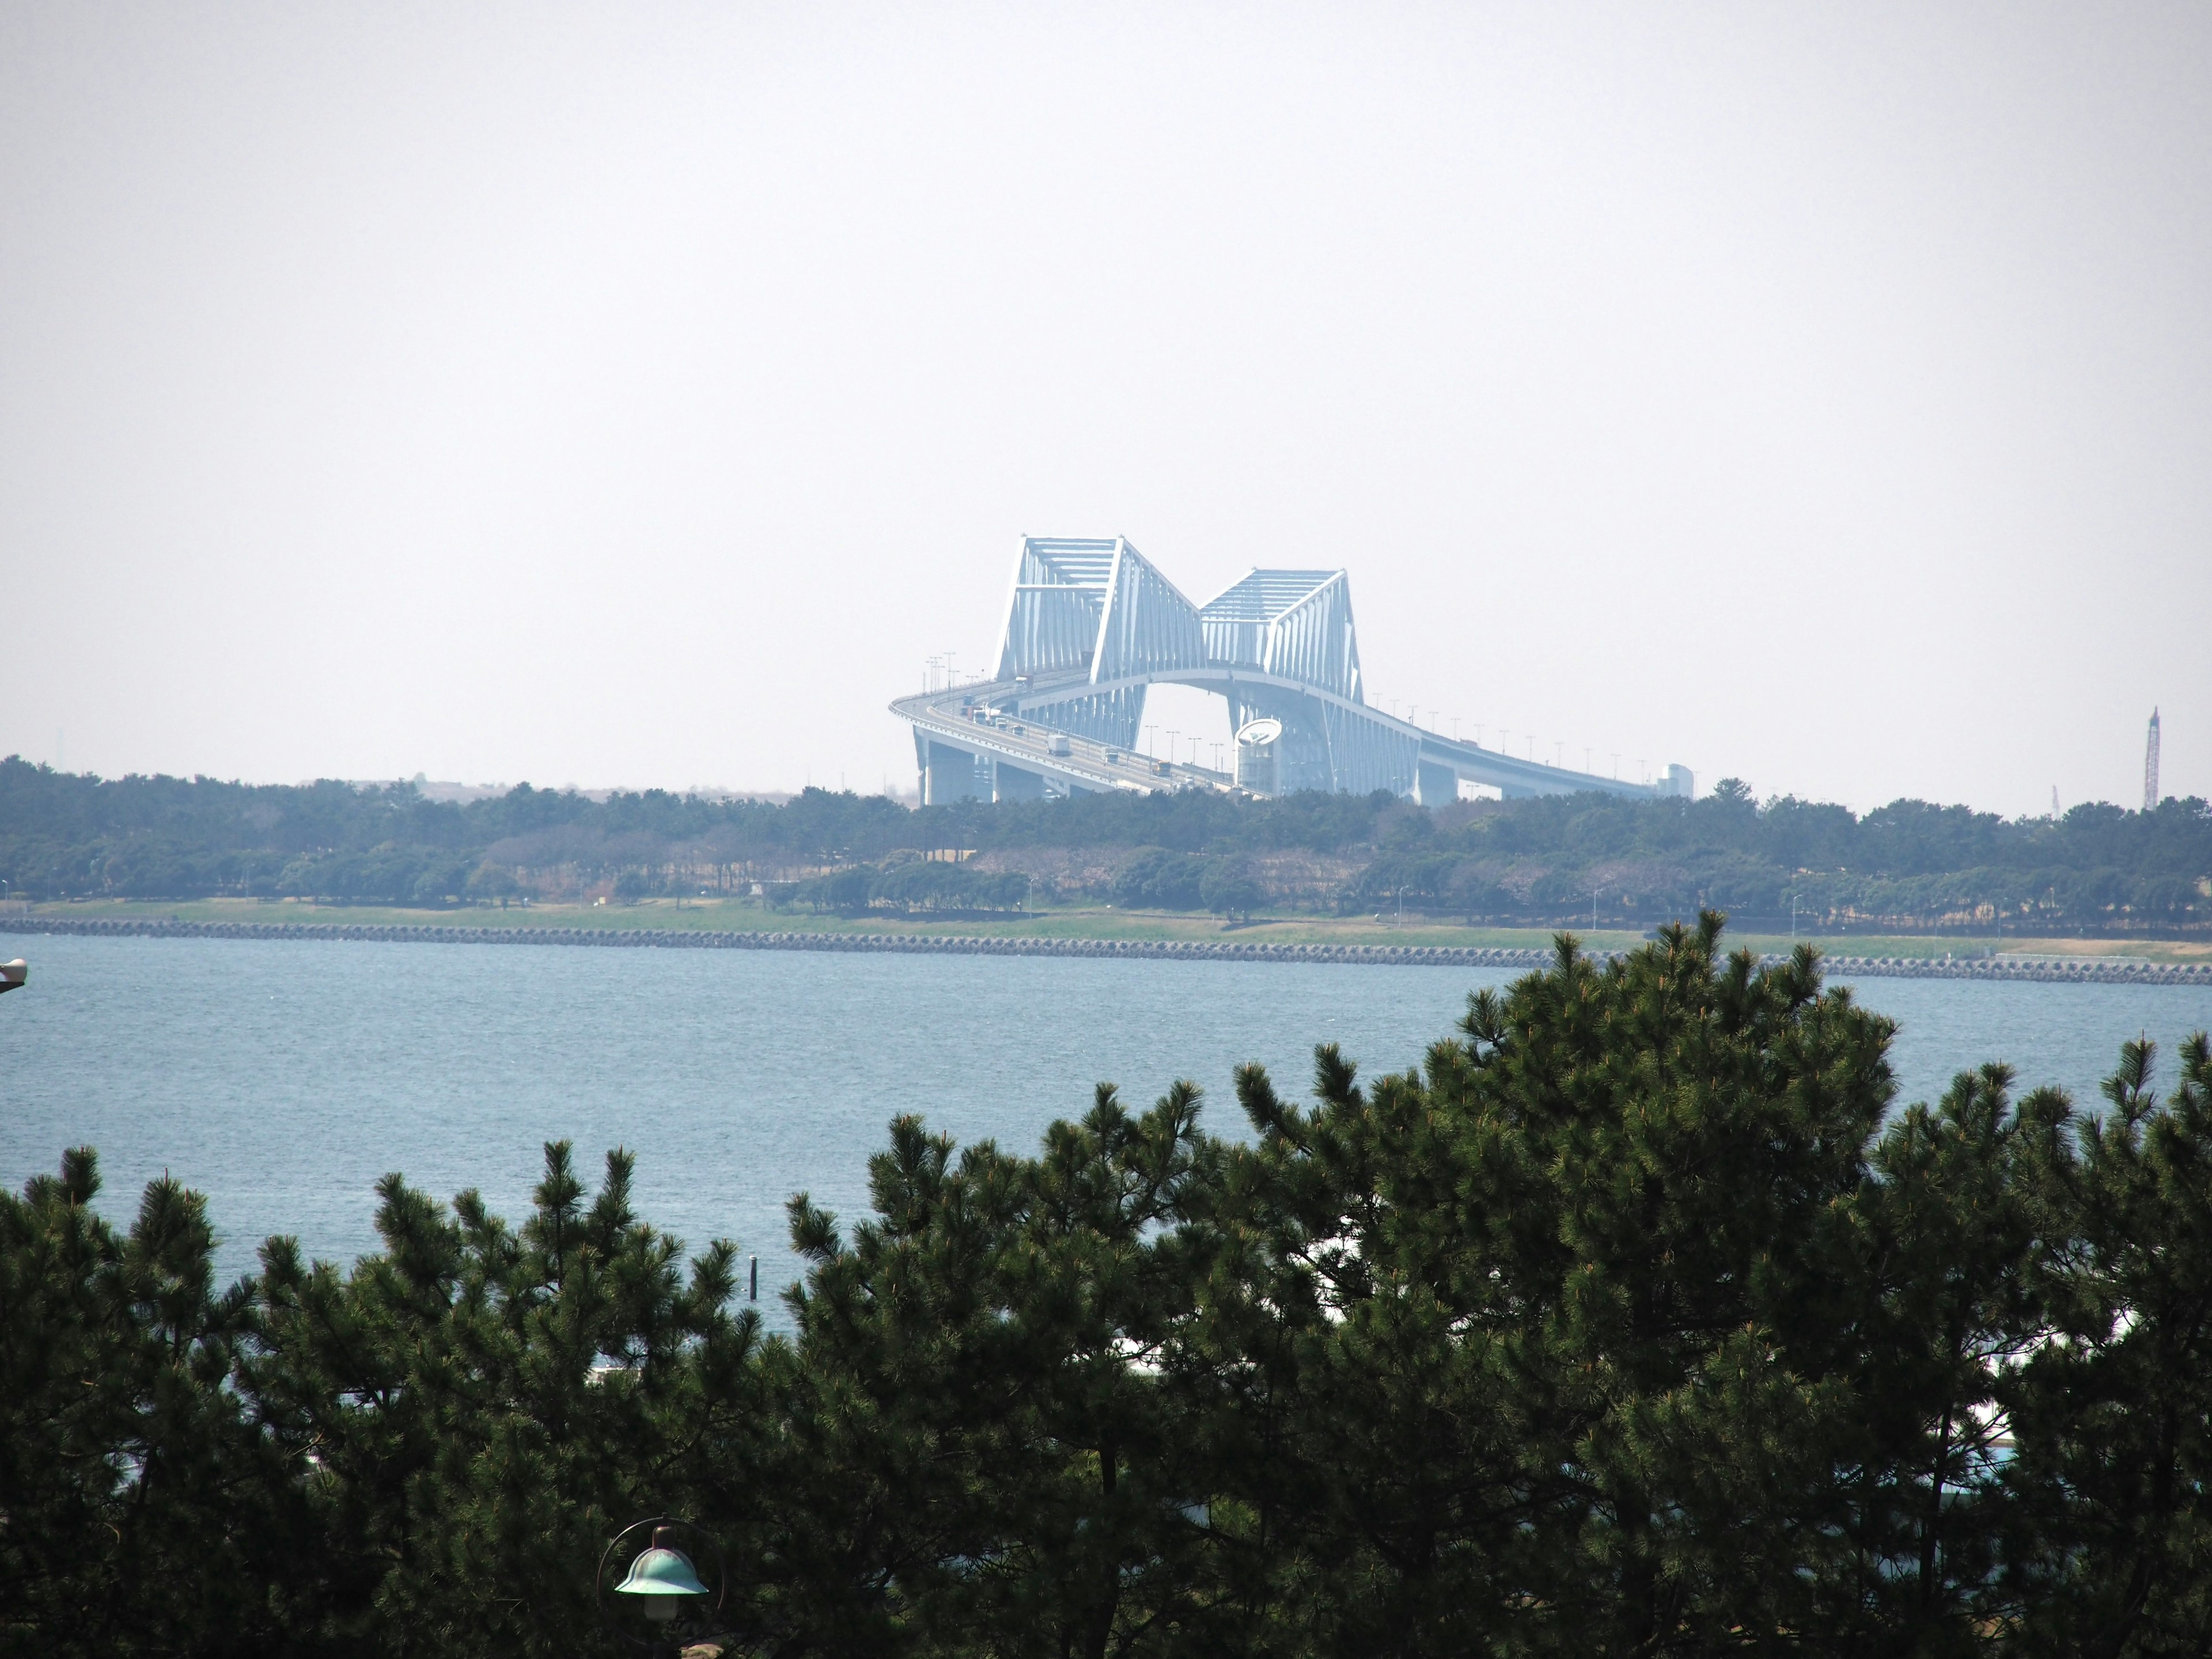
283,1078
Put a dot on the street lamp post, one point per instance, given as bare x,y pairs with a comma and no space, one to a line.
662,1586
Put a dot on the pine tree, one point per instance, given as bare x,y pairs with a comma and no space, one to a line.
476,1410
981,1384
137,1510
1550,1324
2114,1418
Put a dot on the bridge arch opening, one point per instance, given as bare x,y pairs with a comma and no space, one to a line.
1198,716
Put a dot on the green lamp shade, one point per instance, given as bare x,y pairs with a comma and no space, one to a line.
662,1570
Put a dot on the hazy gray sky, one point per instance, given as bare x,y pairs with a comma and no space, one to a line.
639,394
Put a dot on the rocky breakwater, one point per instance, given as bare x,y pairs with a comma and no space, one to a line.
2077,970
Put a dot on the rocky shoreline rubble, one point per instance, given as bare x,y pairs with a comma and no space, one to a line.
2097,970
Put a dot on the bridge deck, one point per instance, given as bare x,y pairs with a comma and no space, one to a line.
951,718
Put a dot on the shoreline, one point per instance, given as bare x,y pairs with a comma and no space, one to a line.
2046,969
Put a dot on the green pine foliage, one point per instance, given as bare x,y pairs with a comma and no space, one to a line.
1640,1319
470,1412
141,1510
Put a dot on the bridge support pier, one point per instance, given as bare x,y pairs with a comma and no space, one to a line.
1011,782
1434,783
949,775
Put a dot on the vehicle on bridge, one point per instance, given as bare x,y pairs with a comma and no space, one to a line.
1091,625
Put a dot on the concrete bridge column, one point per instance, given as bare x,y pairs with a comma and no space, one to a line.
1435,783
949,775
1012,782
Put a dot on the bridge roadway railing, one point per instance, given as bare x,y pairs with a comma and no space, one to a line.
2061,970
1467,760
1470,761
1517,776
938,717
940,713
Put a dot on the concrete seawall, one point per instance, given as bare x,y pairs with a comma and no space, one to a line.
2072,971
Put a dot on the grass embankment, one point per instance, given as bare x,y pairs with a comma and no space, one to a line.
1072,922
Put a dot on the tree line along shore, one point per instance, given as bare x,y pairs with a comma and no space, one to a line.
1640,1318
2095,871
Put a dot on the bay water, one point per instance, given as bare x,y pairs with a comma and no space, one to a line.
282,1079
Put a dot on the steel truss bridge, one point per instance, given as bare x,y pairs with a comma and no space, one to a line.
1091,625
